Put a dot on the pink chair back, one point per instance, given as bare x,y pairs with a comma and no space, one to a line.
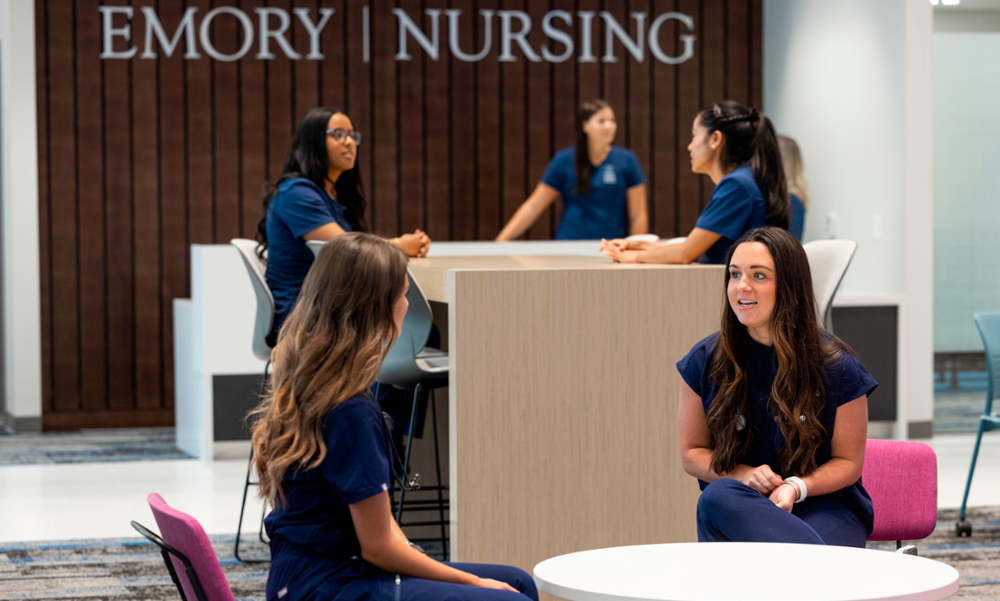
184,533
901,478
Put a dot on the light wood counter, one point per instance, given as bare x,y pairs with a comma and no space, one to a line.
563,401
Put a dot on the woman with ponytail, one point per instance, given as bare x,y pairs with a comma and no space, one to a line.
773,412
323,452
737,148
602,186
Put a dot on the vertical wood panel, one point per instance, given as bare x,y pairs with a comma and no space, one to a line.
173,191
93,325
119,241
63,206
44,199
385,173
514,115
437,191
462,98
150,374
253,135
410,75
689,102
538,126
140,158
488,119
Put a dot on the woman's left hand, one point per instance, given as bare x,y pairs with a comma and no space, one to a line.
784,496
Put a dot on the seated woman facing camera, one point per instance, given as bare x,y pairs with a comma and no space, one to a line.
737,148
323,451
773,412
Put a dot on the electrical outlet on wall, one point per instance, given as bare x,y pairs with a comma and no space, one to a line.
831,225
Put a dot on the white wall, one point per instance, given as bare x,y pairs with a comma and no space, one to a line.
966,185
852,81
19,214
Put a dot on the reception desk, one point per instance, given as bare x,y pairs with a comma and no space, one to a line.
563,400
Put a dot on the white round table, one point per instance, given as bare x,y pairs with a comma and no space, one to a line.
745,571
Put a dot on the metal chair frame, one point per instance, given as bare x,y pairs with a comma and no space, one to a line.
166,551
988,324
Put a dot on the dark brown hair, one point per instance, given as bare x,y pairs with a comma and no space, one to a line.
798,388
307,157
584,168
330,349
749,137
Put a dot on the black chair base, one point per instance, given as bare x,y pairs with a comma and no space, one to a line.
246,490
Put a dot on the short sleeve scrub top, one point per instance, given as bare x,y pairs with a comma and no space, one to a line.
603,211
299,207
845,379
315,552
736,207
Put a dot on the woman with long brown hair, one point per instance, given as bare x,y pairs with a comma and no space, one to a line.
323,450
773,412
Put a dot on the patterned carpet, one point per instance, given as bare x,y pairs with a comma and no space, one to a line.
87,446
132,570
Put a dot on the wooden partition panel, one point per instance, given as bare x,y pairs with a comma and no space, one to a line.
143,154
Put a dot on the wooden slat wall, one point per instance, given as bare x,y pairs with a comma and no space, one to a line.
139,159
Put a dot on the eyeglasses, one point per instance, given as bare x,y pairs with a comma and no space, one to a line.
339,135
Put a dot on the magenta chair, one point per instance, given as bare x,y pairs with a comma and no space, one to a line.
901,478
189,556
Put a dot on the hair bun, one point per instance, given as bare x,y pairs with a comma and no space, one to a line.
754,115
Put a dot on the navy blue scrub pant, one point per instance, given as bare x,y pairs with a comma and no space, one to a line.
729,510
416,589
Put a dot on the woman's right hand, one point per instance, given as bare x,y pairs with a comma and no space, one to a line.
416,244
626,244
760,478
494,584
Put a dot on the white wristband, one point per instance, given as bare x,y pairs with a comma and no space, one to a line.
800,486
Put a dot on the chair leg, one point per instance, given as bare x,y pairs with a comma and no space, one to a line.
246,487
963,527
440,483
406,456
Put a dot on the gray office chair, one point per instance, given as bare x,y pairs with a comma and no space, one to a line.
412,365
263,323
828,262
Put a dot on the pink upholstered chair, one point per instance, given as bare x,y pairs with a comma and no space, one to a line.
189,556
901,478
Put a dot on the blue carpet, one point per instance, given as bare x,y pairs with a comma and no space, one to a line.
89,446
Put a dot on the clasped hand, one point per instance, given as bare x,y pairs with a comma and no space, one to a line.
763,479
623,250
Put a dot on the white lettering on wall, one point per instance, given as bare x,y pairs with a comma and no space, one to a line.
185,28
274,25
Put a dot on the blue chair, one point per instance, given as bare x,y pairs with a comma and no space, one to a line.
988,324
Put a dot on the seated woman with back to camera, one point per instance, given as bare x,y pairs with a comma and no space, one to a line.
773,411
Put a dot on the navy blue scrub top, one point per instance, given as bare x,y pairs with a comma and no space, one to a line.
845,379
798,221
314,548
299,207
736,207
602,212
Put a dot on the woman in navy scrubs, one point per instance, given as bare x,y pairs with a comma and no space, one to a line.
773,413
602,186
318,196
736,147
323,451
798,187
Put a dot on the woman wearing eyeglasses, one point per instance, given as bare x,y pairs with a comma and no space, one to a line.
318,197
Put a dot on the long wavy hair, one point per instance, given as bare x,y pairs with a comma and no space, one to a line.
581,159
791,160
307,157
798,389
330,349
750,138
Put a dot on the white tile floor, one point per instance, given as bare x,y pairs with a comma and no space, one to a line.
48,502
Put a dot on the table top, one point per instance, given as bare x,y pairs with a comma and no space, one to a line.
746,571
